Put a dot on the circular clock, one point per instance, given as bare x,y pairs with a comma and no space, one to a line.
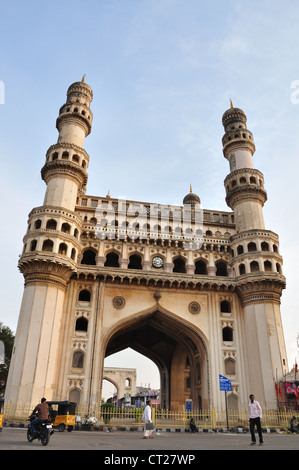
157,262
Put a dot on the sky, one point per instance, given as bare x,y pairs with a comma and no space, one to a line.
162,74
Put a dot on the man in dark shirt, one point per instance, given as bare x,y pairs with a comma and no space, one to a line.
42,410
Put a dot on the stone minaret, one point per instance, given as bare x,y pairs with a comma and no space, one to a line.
256,261
51,249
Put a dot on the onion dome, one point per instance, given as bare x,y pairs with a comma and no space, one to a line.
191,198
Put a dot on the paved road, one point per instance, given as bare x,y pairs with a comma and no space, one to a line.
109,442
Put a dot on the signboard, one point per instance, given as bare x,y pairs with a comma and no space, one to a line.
225,384
188,405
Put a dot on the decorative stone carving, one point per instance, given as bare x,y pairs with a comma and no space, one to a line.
119,302
194,307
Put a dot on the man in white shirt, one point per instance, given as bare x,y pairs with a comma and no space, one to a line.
255,414
147,417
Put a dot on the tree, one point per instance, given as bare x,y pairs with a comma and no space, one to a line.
6,345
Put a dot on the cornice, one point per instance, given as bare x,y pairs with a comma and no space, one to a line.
65,168
260,287
153,279
46,267
246,191
68,145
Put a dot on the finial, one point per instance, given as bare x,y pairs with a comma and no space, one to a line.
190,188
108,195
83,78
231,104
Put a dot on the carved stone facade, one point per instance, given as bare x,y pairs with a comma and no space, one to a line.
195,290
124,380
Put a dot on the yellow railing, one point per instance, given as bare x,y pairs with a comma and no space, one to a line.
124,417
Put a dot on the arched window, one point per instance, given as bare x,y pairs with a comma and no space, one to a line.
73,253
81,324
62,249
242,269
37,224
251,247
135,262
225,306
240,250
254,266
33,245
278,268
84,295
179,265
66,228
221,268
47,245
112,260
89,257
200,267
51,224
65,156
265,246
128,382
268,265
227,334
78,360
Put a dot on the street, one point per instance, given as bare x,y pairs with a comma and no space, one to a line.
124,441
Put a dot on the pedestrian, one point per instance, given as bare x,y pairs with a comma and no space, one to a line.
293,426
193,426
147,418
255,415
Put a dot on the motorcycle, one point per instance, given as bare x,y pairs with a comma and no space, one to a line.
42,431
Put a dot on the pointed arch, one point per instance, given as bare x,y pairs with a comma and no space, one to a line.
165,338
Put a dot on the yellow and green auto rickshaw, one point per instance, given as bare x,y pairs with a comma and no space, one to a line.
63,414
1,412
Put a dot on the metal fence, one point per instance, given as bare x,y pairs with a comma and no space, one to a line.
163,419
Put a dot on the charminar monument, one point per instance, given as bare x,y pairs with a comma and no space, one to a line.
195,290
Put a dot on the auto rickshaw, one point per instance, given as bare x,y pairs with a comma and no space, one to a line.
63,414
1,412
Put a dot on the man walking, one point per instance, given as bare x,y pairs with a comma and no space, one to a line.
255,414
147,417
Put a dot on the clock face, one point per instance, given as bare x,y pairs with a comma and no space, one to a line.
157,262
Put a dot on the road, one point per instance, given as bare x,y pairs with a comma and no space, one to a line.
124,441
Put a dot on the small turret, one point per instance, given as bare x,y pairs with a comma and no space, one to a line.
238,143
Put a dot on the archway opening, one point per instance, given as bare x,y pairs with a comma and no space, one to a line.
147,377
178,352
109,391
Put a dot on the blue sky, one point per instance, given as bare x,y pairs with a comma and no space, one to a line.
162,73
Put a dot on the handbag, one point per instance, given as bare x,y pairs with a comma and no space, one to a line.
149,426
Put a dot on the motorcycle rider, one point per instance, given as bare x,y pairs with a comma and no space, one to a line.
42,410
